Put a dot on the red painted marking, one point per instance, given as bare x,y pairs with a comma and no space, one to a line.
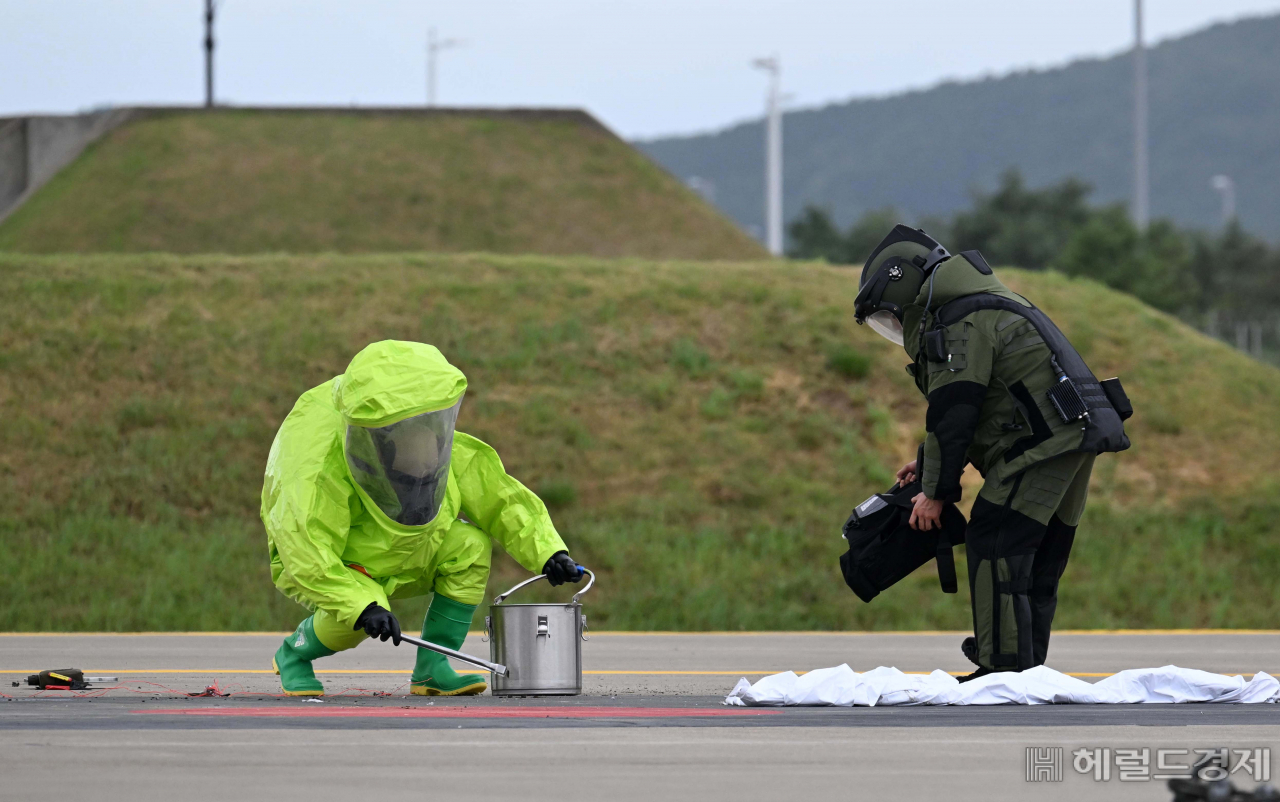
461,712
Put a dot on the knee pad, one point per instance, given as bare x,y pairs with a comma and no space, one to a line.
1002,545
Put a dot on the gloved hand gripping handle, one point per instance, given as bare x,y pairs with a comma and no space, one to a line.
582,570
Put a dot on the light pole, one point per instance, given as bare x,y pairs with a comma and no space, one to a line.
434,47
773,155
1141,175
1227,189
209,7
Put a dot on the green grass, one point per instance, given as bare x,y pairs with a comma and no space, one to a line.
700,432
305,182
848,361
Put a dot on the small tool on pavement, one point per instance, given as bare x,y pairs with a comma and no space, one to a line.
65,679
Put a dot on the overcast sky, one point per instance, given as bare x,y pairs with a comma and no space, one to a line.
645,67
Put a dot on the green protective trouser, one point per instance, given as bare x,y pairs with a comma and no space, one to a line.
459,571
1017,543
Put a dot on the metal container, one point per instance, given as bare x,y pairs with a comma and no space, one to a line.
540,644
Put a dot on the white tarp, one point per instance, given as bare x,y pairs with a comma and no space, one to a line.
1037,686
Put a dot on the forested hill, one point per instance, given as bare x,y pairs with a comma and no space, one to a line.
1215,108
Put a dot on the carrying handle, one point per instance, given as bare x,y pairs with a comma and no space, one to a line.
582,569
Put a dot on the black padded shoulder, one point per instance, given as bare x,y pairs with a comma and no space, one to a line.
980,264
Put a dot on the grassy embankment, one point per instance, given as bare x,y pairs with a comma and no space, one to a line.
310,182
700,432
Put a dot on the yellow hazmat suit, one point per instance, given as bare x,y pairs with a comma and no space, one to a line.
336,550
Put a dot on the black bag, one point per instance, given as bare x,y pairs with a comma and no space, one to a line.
883,548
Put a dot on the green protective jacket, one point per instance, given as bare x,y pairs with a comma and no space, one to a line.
987,404
319,523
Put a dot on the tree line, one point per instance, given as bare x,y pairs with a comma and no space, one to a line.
1223,276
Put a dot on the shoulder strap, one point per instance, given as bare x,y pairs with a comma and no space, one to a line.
1068,359
966,305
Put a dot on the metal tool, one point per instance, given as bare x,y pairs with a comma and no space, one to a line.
494,668
71,679
541,643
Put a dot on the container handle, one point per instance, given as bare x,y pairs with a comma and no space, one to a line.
582,569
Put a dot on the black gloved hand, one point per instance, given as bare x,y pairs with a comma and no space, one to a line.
379,623
561,568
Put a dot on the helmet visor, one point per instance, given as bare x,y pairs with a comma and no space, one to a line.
886,325
404,467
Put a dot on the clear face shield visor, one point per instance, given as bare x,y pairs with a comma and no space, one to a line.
886,325
404,467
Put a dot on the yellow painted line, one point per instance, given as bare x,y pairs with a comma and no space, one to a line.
660,633
685,673
1167,632
826,633
767,633
777,671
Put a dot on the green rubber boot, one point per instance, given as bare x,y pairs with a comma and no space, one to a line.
293,661
447,623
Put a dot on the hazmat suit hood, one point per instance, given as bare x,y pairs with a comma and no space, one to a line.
400,403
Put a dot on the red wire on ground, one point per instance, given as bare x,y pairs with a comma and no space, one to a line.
210,691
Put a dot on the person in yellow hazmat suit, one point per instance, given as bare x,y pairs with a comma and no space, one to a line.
370,495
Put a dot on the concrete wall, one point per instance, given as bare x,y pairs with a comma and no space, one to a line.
33,149
13,162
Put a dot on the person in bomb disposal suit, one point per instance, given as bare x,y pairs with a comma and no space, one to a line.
1008,394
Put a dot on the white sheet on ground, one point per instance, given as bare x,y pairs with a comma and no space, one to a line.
1037,686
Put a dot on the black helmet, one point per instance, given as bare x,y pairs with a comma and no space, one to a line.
892,277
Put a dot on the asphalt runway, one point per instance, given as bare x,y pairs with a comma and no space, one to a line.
650,723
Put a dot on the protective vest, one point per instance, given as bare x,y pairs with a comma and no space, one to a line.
1101,406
